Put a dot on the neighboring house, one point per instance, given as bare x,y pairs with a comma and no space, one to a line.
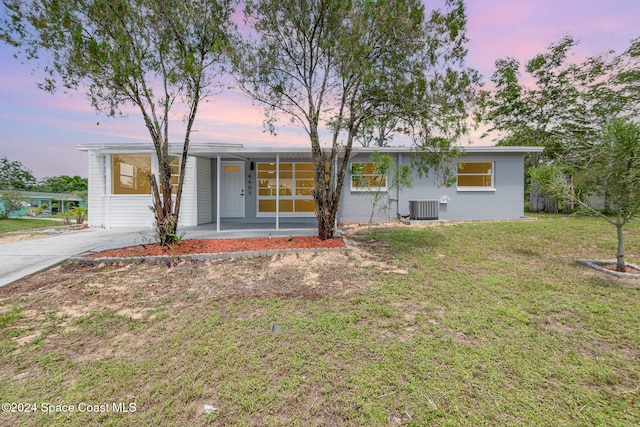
50,203
228,182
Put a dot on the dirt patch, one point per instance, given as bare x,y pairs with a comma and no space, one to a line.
211,246
38,233
19,237
65,298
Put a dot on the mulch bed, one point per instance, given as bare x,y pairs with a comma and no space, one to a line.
212,246
629,269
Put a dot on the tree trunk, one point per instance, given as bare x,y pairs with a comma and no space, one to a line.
166,223
326,197
326,225
620,264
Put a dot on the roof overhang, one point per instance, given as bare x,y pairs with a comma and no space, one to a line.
210,150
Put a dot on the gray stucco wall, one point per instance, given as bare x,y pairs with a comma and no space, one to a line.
506,202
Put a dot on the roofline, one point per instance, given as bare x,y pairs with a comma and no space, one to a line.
475,149
215,148
147,146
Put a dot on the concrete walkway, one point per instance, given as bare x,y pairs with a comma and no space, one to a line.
23,258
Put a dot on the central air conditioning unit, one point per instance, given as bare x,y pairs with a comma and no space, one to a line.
423,209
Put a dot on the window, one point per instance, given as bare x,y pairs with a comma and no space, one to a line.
175,174
294,191
365,177
129,173
475,175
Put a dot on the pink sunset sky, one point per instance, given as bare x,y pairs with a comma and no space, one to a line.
42,130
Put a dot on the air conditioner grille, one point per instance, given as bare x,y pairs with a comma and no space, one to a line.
423,209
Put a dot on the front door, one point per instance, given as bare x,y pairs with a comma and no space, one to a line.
232,190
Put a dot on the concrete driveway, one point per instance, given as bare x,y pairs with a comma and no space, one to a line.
23,258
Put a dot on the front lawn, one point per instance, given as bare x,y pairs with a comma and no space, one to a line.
468,324
17,224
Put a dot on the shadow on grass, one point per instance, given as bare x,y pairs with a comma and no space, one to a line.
526,252
401,241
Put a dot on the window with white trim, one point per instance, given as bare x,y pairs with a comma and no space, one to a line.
294,192
366,177
475,175
129,173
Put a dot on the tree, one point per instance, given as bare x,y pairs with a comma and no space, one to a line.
552,110
565,104
158,56
340,64
378,131
551,180
621,88
382,179
63,184
10,200
612,168
14,175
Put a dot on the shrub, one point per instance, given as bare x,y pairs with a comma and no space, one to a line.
10,201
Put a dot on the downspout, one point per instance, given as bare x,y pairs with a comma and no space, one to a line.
106,215
335,184
277,192
398,164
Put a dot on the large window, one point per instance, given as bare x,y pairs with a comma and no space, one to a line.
475,175
294,191
129,173
365,177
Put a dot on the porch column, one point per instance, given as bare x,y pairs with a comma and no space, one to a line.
277,191
218,167
335,183
399,160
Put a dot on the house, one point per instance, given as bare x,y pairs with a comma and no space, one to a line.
43,203
227,183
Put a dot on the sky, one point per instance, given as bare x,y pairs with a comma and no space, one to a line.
42,131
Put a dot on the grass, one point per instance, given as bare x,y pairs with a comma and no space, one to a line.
472,324
17,224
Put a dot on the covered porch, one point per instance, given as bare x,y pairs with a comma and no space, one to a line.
238,228
262,190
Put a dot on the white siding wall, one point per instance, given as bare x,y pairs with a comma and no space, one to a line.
204,191
188,206
130,211
119,211
96,190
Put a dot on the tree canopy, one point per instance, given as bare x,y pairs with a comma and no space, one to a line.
162,57
14,175
559,103
340,65
63,184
